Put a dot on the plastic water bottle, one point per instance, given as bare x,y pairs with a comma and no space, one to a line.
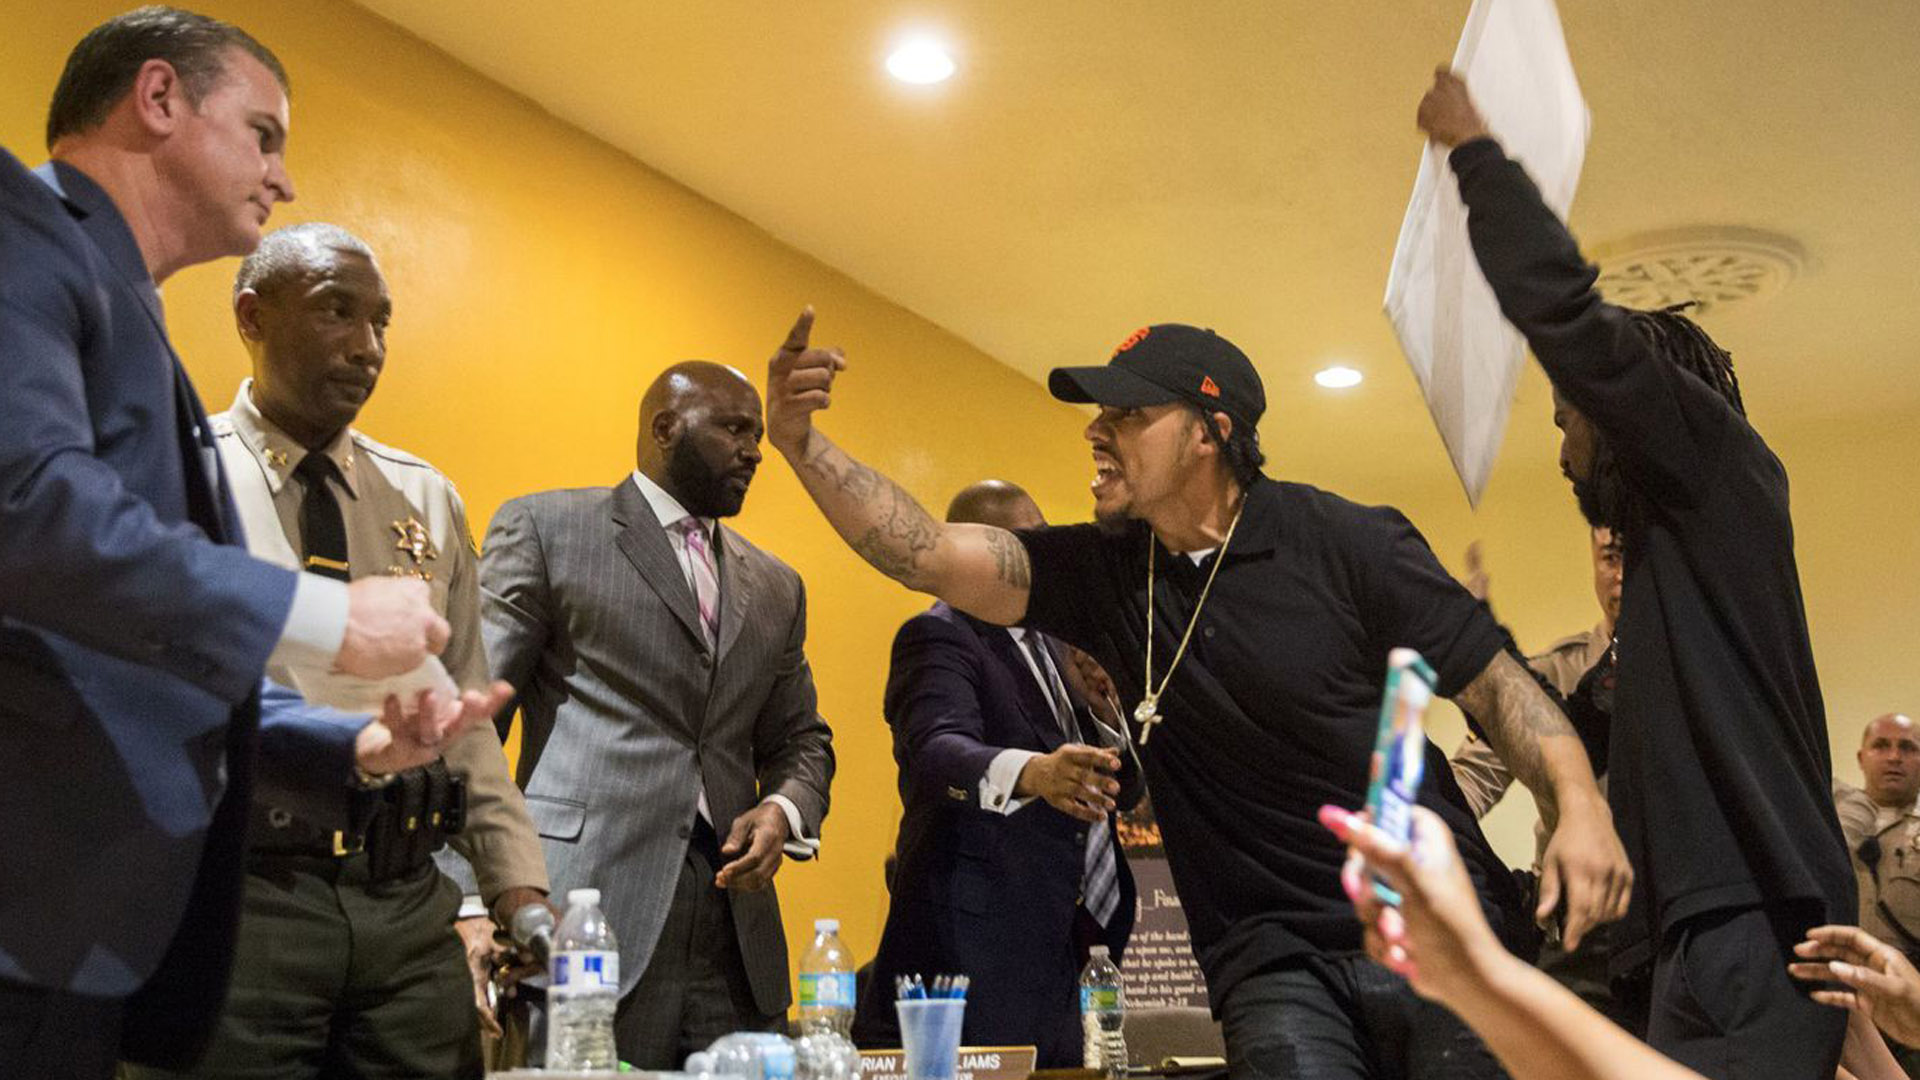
584,988
826,983
1103,1014
745,1055
825,1055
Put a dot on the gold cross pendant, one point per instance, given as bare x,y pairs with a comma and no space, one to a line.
1146,715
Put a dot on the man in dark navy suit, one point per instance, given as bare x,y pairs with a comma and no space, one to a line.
1008,864
134,626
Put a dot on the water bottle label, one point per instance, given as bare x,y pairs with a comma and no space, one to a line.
828,991
1099,998
586,970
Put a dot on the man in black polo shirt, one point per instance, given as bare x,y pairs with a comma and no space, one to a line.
1256,678
1720,772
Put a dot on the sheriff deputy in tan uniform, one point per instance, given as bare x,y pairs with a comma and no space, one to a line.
348,962
1882,826
1884,811
1484,778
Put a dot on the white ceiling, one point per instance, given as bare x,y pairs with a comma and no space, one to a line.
1245,165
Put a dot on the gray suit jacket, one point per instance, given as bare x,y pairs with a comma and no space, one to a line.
588,614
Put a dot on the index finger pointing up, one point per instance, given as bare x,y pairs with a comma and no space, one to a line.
802,330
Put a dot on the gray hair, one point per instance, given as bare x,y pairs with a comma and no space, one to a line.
286,253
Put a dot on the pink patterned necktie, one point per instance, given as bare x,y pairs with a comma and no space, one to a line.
706,579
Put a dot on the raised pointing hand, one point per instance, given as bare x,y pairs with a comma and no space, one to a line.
799,384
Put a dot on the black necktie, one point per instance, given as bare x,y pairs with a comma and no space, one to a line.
321,526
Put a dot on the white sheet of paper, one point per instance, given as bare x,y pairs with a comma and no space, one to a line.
353,694
1514,60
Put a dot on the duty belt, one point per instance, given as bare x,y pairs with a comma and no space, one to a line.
398,827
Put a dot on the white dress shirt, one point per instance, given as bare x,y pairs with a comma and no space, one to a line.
1003,772
668,509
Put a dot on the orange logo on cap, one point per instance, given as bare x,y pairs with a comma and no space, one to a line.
1133,339
1207,386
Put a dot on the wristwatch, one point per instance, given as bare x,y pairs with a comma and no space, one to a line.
366,781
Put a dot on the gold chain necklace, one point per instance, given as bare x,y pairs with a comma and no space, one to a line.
1147,713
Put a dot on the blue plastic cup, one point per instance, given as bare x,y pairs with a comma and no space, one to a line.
930,1034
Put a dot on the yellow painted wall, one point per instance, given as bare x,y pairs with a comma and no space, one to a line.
541,279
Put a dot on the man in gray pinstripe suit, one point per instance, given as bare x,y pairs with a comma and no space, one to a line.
672,749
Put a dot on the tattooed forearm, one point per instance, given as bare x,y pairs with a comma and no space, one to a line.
983,571
1530,733
883,523
897,545
831,466
1010,558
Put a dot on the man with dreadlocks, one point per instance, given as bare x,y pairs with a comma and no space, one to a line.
1720,774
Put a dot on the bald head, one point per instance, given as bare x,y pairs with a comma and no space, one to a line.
1890,760
690,384
997,503
700,430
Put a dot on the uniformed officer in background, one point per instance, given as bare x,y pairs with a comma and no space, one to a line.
1581,668
1482,777
348,961
1882,827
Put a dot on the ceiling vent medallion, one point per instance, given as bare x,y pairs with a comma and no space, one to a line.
1710,265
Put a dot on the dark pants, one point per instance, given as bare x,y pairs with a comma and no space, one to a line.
1343,1017
1621,999
57,1035
695,988
338,977
1724,1006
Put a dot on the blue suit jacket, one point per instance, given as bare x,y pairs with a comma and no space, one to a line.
978,892
134,629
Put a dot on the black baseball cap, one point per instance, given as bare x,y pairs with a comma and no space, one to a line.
1168,362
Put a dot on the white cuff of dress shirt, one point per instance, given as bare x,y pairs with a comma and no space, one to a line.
316,625
1003,776
799,845
472,907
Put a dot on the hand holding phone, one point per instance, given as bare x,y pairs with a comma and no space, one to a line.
1399,753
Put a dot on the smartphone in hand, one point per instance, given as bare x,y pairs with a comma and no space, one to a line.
1399,752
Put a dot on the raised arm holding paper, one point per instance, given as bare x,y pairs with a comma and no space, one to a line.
1720,777
1466,358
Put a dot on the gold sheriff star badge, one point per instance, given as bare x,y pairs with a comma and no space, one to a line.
413,542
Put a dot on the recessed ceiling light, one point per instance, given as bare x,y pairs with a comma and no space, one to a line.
1338,377
920,61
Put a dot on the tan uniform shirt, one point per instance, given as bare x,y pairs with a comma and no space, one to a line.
402,517
1482,776
1899,833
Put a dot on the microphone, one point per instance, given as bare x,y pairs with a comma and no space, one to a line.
532,929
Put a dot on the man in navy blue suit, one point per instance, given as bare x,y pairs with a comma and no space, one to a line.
1008,864
134,627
